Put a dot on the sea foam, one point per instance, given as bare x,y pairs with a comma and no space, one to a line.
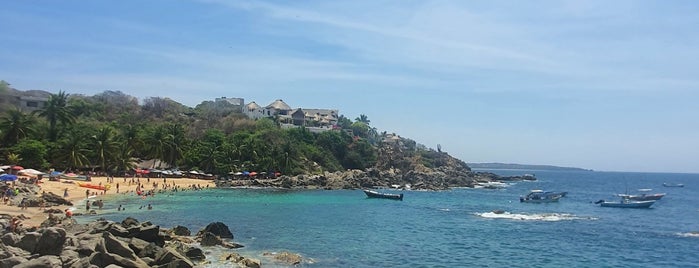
533,217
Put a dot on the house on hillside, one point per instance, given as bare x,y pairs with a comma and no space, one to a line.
254,111
26,101
314,117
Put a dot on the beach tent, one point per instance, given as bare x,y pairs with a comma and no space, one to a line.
17,167
8,177
246,173
253,173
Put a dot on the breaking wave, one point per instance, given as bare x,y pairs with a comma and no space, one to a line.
532,217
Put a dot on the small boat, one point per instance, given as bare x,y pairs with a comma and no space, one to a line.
673,184
92,186
375,194
642,196
626,203
492,185
539,196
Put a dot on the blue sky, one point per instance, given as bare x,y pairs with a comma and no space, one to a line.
606,85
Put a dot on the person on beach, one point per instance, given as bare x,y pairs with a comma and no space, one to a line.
87,193
117,188
65,193
23,203
150,207
87,205
69,214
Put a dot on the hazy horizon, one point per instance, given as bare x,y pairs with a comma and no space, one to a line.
597,85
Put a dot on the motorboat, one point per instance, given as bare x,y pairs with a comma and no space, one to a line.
540,196
643,196
375,194
626,203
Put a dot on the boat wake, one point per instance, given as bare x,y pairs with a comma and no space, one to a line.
532,217
689,234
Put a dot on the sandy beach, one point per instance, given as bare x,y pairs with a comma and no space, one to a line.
76,194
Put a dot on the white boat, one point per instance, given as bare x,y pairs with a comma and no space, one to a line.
673,184
642,196
492,185
539,196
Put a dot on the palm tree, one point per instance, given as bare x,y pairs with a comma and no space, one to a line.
363,118
156,143
104,144
175,141
16,125
123,159
57,111
72,151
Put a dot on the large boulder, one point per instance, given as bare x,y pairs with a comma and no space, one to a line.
29,241
87,244
51,241
12,261
10,239
209,239
40,262
180,230
285,257
118,247
55,199
217,228
169,255
130,222
150,233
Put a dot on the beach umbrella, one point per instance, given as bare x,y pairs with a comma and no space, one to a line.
238,173
253,173
246,173
8,177
277,174
17,167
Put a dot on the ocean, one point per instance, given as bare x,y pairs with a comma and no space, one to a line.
455,228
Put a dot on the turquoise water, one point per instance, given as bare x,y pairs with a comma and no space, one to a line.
450,228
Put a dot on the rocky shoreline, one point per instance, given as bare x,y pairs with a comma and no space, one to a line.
129,243
434,180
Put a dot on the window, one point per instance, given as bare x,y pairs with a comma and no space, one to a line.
32,104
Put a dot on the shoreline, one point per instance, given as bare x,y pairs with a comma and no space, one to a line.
77,195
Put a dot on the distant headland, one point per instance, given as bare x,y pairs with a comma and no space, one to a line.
523,166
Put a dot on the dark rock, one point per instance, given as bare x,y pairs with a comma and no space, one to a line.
151,234
119,230
117,247
193,253
41,262
14,251
53,211
137,245
69,256
151,250
87,244
10,239
55,199
99,226
51,241
129,222
180,230
12,261
29,241
217,228
209,239
252,263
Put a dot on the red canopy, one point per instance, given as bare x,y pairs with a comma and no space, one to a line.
17,167
253,173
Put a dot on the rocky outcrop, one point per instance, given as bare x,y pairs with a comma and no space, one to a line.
397,166
109,244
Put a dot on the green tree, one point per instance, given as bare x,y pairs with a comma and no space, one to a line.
104,144
72,151
33,153
56,111
123,159
15,126
344,122
4,86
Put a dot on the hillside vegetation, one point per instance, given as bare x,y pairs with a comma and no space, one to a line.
111,131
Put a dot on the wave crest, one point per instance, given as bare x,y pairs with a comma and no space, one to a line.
532,217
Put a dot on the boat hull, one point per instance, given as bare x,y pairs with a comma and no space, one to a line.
636,204
642,197
375,194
